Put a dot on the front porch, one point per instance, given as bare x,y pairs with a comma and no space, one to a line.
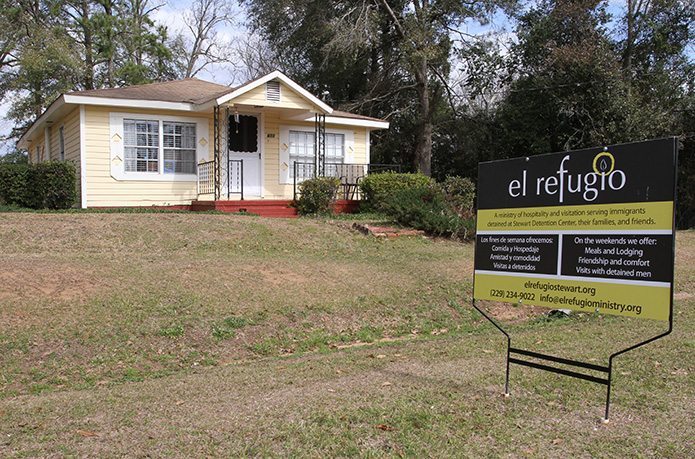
261,155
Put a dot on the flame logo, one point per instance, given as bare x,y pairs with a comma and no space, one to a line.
604,163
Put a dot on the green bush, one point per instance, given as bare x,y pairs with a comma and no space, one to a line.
460,194
47,185
13,184
378,188
316,195
424,207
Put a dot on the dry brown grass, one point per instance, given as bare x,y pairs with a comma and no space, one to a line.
116,340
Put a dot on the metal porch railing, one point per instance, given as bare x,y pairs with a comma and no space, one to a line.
349,175
206,178
235,177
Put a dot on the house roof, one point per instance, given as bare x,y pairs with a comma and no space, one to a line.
189,94
188,90
343,114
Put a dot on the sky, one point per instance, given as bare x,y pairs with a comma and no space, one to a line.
171,14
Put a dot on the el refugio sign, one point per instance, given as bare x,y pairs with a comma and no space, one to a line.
586,230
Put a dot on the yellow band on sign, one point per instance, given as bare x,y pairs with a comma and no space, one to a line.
643,216
628,300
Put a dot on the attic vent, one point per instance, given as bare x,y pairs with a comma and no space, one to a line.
272,91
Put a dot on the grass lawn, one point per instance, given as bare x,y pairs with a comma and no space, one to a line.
180,334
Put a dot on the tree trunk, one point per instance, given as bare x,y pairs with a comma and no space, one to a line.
88,46
423,135
630,39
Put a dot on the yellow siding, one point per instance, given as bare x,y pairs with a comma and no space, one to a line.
271,153
38,141
71,136
288,99
105,191
71,132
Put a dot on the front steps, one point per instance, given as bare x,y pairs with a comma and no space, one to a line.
274,208
262,207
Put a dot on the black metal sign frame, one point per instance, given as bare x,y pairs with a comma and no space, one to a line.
516,355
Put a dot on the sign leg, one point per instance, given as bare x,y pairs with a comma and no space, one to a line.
608,392
506,379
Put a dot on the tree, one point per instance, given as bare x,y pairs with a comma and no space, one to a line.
368,53
201,45
15,157
567,89
144,54
48,47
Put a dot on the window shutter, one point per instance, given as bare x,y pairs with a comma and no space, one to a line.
272,91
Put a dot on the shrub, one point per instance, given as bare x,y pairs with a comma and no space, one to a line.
424,207
51,185
317,195
460,194
13,184
48,185
378,188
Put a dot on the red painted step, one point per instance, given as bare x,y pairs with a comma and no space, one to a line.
264,208
267,207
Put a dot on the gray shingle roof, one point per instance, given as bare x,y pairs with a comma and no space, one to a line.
188,90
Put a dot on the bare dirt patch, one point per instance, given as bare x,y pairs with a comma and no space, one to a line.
513,313
41,278
682,296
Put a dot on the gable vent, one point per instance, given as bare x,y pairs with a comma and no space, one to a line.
272,91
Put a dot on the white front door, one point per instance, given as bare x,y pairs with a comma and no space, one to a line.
244,141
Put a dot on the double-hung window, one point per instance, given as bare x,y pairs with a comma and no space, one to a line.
335,148
302,147
179,147
144,152
141,145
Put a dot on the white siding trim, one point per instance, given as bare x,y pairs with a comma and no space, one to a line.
83,158
117,159
133,103
367,147
339,120
261,149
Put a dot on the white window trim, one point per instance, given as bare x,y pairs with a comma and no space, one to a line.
117,158
285,178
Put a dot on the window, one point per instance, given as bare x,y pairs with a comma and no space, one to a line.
38,154
155,147
61,144
243,133
301,148
141,145
272,91
179,147
335,148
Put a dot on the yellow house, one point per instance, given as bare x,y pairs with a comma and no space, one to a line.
191,141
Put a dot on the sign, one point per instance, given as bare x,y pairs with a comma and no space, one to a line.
588,230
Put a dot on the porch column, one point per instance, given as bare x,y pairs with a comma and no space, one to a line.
216,152
320,133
